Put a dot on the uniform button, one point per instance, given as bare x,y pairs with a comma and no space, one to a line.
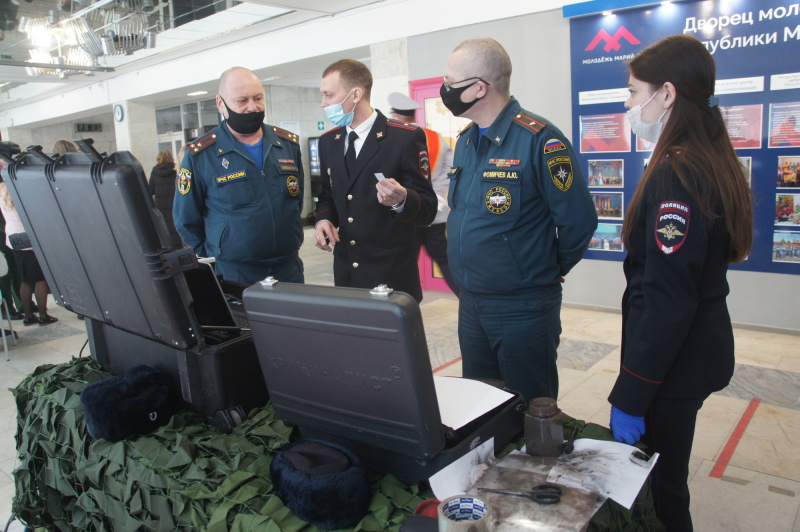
349,197
355,265
352,242
350,219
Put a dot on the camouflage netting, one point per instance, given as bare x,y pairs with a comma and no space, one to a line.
186,475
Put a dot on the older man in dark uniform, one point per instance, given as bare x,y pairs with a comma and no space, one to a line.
375,186
241,189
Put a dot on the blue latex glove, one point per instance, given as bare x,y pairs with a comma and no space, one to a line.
626,428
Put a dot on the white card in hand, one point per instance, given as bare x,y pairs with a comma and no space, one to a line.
380,176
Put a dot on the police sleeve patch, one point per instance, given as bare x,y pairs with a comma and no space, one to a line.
424,164
560,168
184,181
672,226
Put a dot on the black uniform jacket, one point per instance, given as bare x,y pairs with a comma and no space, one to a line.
377,245
162,187
677,340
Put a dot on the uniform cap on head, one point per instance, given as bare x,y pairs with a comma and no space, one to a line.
402,104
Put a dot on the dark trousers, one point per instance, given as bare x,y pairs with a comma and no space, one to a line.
434,238
512,337
669,430
288,271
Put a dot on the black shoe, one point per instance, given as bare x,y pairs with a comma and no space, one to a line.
15,315
47,320
29,321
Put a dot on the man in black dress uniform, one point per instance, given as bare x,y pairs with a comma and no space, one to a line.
375,186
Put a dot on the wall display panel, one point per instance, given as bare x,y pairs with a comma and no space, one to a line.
747,164
607,173
758,87
788,175
607,237
786,246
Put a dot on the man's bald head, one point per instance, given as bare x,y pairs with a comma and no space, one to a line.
488,60
235,76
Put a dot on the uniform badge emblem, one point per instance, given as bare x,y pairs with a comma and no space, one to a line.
504,163
672,226
379,134
553,145
338,136
561,171
225,163
424,164
184,181
293,185
498,200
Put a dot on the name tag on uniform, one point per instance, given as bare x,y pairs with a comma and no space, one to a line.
500,174
221,180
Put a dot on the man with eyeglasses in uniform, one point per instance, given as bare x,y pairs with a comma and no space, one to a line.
521,217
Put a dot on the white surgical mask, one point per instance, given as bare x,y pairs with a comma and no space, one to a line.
649,131
337,116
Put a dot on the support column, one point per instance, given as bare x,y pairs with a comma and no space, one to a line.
389,66
136,131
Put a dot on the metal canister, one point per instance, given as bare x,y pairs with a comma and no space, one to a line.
544,428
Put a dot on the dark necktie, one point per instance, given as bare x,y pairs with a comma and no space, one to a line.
350,154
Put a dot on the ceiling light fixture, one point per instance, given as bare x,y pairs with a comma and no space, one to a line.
197,93
72,44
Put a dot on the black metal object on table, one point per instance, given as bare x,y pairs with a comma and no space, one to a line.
542,493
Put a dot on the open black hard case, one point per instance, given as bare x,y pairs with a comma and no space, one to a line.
348,366
105,252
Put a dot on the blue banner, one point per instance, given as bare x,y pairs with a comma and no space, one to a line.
756,45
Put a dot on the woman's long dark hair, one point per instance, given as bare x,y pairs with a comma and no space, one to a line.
695,131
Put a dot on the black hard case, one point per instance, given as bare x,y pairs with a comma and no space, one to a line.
350,367
101,242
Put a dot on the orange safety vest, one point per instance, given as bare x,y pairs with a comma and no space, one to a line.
434,148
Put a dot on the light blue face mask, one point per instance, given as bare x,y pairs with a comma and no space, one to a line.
337,116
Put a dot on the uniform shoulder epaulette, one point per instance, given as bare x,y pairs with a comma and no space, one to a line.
396,123
337,128
530,121
284,134
202,143
463,129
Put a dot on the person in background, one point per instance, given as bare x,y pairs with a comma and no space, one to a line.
440,158
9,283
521,217
375,186
33,281
64,146
240,189
162,186
690,217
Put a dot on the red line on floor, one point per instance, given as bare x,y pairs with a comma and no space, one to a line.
440,368
733,441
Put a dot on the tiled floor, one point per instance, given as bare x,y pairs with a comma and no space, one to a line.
758,490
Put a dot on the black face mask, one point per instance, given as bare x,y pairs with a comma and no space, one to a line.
244,123
452,99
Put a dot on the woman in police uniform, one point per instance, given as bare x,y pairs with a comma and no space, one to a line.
689,218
